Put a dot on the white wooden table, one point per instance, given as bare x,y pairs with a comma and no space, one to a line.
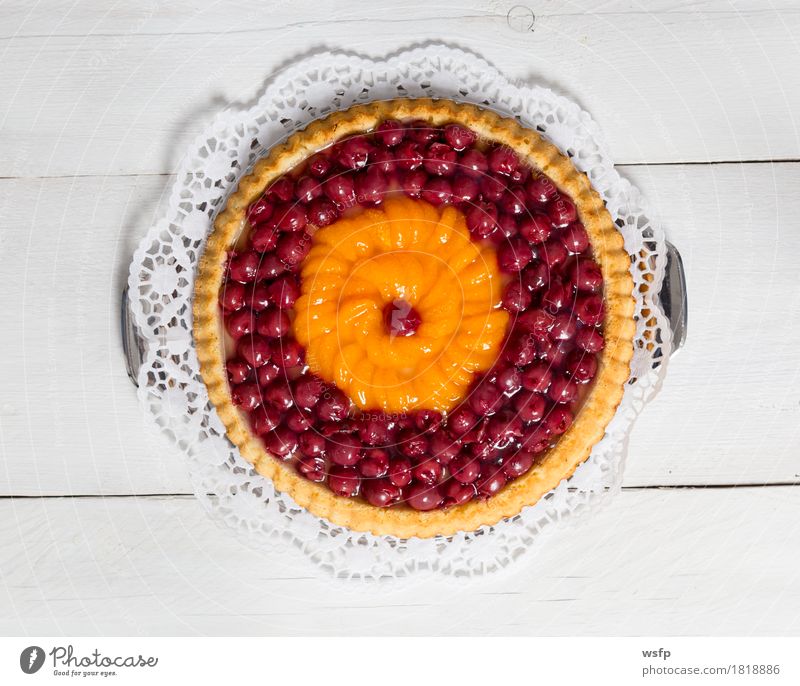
98,530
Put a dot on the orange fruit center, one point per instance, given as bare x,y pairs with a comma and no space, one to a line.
399,307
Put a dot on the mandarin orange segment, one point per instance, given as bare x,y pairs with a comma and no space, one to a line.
406,254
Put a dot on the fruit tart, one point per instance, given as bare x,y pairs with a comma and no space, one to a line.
415,317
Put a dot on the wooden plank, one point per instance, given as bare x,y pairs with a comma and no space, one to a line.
70,422
126,91
679,562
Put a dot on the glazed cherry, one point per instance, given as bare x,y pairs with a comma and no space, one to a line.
589,340
267,373
343,449
427,420
513,201
553,253
322,212
412,182
443,447
244,267
281,190
509,380
555,298
340,190
537,439
459,137
308,188
537,378
423,497
247,396
311,444
563,390
259,212
383,160
353,153
373,430
400,471
312,468
465,188
581,366
293,248
344,481
558,420
518,464
334,406
281,442
564,327
503,160
270,266
516,298
437,192
278,395
535,227
273,323
284,291
482,219
520,349
514,255
440,159
590,309
287,353
409,156
456,493
473,162
585,275
428,472
529,406
536,276
240,323
371,186
254,349
306,390
291,217
462,420
264,238
412,444
574,238
537,322
400,318
422,132
485,399
374,464
265,419
390,133
380,492
297,420
492,189
540,188
231,297
320,165
238,371
503,428
561,211
492,483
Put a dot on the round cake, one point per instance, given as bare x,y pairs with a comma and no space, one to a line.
415,317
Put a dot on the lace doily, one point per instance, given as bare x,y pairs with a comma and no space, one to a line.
162,275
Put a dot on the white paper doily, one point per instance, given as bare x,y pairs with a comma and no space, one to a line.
162,275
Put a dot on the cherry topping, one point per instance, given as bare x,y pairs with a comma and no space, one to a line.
244,267
408,156
503,160
561,211
482,219
353,153
238,371
423,497
473,162
400,318
381,492
440,159
340,190
535,227
322,212
390,133
344,481
459,137
254,349
334,406
518,464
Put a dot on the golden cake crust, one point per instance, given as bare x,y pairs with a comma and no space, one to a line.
614,360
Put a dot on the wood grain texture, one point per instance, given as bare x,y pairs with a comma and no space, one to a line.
84,92
729,412
680,562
